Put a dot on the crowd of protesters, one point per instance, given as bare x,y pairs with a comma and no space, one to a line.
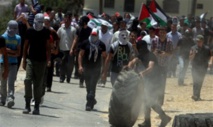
49,41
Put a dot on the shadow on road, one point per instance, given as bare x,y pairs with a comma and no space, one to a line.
45,106
14,108
104,112
206,100
55,92
49,116
172,111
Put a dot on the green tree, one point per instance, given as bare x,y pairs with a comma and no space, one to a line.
75,6
6,16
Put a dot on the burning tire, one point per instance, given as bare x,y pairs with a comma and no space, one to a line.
125,101
193,120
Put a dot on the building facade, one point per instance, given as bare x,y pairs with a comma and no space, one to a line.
171,7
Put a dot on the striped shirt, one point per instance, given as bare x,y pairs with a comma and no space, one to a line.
165,46
37,8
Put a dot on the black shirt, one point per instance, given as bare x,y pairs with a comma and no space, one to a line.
2,42
121,57
90,63
145,59
37,43
83,34
185,45
202,56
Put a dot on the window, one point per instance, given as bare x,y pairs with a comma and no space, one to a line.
199,6
129,5
109,3
171,6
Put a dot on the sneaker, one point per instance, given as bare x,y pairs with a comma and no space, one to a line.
36,112
102,85
61,81
49,89
165,120
68,80
10,104
27,110
2,103
99,84
81,85
88,108
93,104
195,98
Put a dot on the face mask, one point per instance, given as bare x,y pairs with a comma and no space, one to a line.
38,22
94,39
12,28
38,26
123,37
11,32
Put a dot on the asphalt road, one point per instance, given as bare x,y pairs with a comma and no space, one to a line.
63,107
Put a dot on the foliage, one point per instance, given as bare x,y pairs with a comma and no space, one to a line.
75,6
7,16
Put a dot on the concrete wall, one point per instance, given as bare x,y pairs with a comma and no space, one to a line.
184,7
207,6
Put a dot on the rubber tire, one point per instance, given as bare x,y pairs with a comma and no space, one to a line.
193,120
125,100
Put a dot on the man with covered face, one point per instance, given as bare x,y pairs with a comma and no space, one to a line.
13,42
91,52
36,56
120,54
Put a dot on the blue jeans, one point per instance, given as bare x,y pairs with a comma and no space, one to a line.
91,76
183,65
11,83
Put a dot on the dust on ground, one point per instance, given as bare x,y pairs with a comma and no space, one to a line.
178,99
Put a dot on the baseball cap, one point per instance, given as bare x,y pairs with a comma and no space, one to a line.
47,18
199,38
94,32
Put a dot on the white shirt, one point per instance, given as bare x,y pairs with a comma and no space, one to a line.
150,41
66,35
106,39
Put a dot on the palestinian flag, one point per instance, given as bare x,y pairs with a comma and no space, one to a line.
96,22
90,16
145,16
158,13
